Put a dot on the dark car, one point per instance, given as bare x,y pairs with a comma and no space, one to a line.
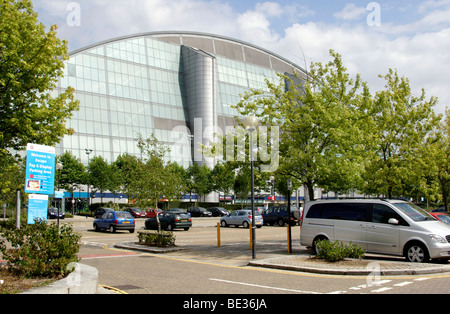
177,210
218,211
113,221
441,209
170,221
99,212
137,212
53,213
279,215
199,212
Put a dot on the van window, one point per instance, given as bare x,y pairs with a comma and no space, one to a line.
414,212
382,213
340,211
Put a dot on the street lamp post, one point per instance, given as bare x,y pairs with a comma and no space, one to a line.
251,123
59,167
88,152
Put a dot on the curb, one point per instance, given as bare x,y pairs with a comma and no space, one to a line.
84,280
149,249
403,268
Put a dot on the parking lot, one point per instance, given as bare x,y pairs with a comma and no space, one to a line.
206,268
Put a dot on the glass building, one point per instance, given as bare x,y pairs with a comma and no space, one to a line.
179,86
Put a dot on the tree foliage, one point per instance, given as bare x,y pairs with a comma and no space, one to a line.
31,61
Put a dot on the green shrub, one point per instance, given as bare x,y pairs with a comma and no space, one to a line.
160,239
39,250
337,251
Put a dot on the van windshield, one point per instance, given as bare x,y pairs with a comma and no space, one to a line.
414,212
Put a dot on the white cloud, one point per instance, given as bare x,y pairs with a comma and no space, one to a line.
350,12
418,50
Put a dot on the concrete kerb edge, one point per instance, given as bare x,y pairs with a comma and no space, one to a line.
351,272
83,280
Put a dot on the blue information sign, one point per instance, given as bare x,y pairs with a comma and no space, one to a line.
40,170
37,208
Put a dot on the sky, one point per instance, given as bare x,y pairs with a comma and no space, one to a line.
411,36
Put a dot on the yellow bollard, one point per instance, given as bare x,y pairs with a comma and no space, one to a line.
289,238
218,234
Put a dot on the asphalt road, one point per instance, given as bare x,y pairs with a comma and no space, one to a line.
205,268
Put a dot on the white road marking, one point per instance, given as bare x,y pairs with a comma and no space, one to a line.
264,287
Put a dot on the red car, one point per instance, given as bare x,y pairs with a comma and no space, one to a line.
137,212
444,217
151,212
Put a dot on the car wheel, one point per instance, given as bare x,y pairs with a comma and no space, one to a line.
281,222
169,227
417,253
319,238
96,228
131,230
112,229
223,223
245,224
186,229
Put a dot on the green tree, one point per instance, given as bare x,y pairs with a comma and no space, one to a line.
72,173
200,180
31,62
320,119
128,169
402,122
99,173
435,160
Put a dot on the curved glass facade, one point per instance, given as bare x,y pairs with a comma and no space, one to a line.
177,86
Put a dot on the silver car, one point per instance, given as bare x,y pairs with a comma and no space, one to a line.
242,217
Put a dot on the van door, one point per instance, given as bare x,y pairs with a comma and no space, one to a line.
350,221
383,237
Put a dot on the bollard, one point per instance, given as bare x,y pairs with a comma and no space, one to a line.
289,238
218,234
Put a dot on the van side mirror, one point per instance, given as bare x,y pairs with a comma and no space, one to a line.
393,221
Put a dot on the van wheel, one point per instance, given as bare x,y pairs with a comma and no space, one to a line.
317,239
416,252
281,222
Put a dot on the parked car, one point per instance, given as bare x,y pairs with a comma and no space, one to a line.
178,210
391,227
442,216
151,212
113,221
218,211
242,217
279,215
53,213
258,209
99,212
440,209
199,212
170,221
136,212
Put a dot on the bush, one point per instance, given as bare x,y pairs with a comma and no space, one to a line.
160,239
39,250
337,251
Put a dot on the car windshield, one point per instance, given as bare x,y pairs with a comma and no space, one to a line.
137,210
414,212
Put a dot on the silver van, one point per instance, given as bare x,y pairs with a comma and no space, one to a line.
379,226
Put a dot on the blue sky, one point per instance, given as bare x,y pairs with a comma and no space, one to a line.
412,36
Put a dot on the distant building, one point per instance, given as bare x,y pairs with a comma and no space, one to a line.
178,86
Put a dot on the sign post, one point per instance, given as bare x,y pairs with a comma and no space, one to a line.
39,180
